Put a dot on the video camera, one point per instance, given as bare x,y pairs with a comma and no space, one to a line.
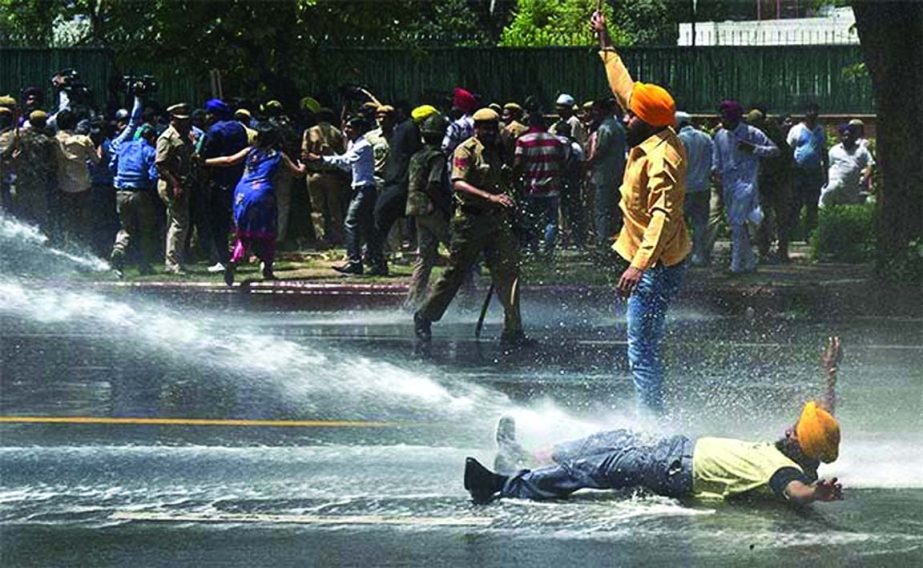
139,85
68,80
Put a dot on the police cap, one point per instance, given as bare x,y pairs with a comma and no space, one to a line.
179,111
486,115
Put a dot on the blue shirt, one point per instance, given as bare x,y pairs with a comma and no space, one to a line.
608,166
699,149
100,174
133,165
359,159
808,145
226,138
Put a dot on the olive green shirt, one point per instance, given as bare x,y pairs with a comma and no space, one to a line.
427,189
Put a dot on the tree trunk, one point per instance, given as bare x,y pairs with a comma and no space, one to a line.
891,33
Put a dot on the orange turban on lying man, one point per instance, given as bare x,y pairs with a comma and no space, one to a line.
818,433
653,104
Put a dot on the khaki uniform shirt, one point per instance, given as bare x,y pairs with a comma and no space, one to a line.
323,139
381,147
74,150
479,166
174,154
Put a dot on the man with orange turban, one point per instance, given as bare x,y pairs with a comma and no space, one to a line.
653,239
675,466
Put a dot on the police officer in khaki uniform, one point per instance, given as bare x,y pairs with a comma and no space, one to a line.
512,130
482,223
174,166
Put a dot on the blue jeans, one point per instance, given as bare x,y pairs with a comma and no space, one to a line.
609,460
647,310
359,225
541,215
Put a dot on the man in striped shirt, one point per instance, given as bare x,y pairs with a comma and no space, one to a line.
539,162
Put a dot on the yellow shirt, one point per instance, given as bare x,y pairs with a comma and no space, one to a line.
722,467
74,152
653,189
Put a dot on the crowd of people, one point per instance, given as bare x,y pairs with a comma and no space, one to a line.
626,173
490,182
71,174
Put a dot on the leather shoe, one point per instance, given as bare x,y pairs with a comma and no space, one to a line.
480,482
349,268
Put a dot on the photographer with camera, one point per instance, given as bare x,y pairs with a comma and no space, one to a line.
135,179
73,95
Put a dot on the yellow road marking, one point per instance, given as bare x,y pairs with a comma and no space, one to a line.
195,422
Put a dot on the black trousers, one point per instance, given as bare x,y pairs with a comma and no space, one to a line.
220,205
389,207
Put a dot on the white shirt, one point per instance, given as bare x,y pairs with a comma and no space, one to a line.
845,174
359,159
699,152
739,170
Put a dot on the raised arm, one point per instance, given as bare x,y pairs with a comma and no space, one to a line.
833,355
134,121
620,81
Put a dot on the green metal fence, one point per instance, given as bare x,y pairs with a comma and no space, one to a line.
782,78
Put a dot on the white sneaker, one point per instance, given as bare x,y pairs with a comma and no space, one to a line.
218,267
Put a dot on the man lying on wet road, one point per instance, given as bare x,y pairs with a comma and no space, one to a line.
675,466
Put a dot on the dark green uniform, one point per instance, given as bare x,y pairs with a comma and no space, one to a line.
479,226
34,156
429,204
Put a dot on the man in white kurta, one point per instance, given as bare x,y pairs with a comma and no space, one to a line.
736,162
849,163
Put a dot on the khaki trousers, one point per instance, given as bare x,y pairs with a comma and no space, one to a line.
329,194
138,222
177,226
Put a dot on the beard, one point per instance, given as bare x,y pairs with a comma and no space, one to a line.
488,138
634,136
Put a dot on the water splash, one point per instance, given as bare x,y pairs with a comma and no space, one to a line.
26,250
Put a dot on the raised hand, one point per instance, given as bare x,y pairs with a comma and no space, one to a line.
833,354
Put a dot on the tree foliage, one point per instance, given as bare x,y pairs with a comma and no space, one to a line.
261,47
544,23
